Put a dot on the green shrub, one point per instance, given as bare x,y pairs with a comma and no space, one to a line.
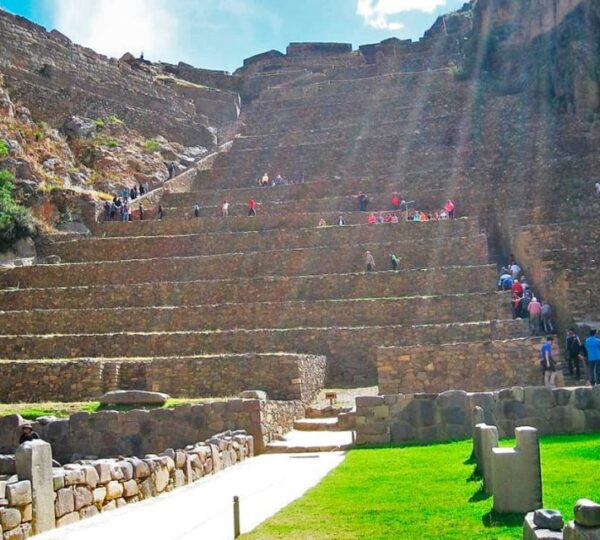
99,123
110,120
151,145
4,149
107,141
16,221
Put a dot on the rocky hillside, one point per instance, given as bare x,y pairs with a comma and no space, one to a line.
54,172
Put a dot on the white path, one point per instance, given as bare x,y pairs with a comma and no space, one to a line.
204,510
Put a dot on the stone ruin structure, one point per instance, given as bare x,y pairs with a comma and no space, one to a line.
198,306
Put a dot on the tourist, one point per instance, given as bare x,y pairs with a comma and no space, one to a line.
141,212
197,209
597,186
525,301
379,218
394,218
388,218
449,207
517,288
371,220
416,216
27,433
125,211
516,305
535,313
395,201
443,215
106,210
363,202
370,261
322,223
341,221
161,212
592,350
146,187
404,209
524,284
125,193
573,347
133,193
251,206
515,270
171,169
278,180
548,363
225,208
547,318
505,282
264,181
141,189
395,262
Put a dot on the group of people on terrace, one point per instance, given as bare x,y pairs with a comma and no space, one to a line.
398,204
279,180
525,303
121,206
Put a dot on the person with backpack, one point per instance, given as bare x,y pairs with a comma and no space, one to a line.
197,209
395,262
573,347
548,364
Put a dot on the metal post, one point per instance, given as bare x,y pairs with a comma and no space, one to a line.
236,516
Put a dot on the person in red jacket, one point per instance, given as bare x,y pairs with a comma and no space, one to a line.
251,207
372,220
449,207
395,201
517,288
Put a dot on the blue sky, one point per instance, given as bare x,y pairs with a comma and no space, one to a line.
219,34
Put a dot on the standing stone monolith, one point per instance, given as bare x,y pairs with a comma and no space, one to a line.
34,463
485,438
516,474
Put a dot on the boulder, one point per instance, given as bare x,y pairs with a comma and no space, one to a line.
573,531
79,127
134,397
587,513
548,519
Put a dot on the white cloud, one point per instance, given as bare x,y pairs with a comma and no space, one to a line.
378,13
113,27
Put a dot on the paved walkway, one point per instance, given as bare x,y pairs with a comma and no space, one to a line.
265,484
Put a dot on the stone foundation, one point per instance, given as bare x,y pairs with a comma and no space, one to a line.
399,418
281,375
468,366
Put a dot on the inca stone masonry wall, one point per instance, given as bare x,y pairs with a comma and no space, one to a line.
139,432
87,488
397,418
282,376
469,366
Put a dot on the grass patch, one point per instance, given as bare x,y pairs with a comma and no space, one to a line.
151,145
31,411
428,492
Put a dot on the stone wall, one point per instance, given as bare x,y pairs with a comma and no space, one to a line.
139,432
89,487
398,418
468,366
281,375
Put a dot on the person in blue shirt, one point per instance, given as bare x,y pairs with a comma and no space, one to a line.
548,363
592,349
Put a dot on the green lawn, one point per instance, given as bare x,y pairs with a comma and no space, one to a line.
428,492
31,411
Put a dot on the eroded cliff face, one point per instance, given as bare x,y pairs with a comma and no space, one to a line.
548,48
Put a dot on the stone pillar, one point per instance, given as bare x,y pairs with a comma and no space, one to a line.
34,463
485,438
516,474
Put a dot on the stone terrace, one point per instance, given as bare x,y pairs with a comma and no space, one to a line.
184,287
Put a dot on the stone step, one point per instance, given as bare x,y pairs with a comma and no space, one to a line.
152,247
350,351
252,315
297,442
433,253
434,281
316,424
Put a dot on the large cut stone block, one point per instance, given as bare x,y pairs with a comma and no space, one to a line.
134,397
516,474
